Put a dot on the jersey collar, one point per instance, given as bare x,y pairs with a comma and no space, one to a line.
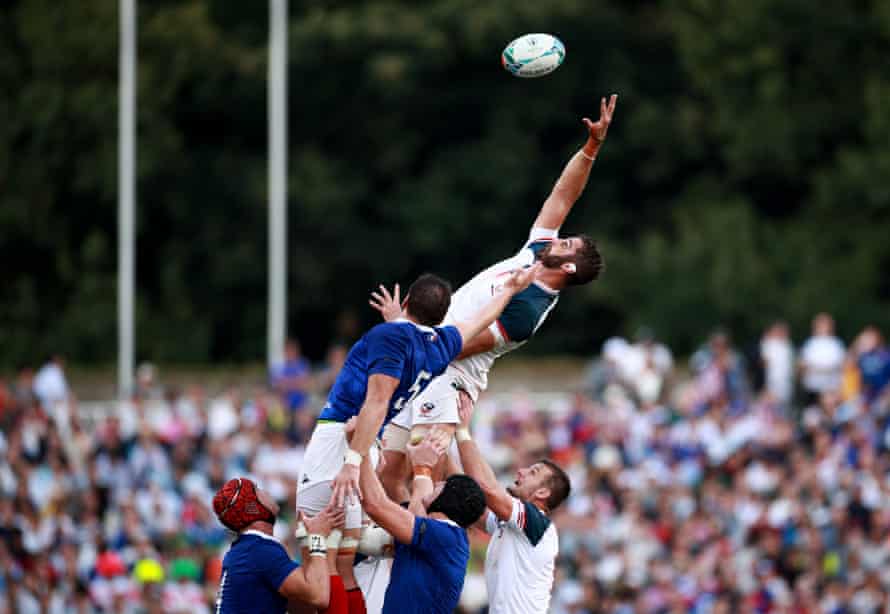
261,534
546,288
426,329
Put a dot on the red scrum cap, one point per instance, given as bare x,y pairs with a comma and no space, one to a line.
237,506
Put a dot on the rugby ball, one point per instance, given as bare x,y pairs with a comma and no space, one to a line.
533,55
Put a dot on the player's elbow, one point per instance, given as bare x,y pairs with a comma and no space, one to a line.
492,492
497,499
372,504
372,494
305,589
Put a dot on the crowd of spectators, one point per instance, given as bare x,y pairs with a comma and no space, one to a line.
753,482
108,509
737,484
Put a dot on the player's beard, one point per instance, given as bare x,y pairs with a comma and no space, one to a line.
550,261
512,491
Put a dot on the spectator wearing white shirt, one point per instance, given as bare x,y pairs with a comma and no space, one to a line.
645,365
777,355
50,384
821,360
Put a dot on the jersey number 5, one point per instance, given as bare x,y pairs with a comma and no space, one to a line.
414,390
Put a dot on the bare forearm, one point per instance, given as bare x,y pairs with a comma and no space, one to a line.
475,466
483,319
497,498
309,584
574,177
370,418
318,580
372,489
451,467
421,489
568,188
390,516
483,342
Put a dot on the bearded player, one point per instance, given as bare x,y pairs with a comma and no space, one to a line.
521,555
569,261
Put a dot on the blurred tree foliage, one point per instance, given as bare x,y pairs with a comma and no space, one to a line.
746,178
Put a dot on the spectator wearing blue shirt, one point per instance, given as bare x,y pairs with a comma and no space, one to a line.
431,545
291,377
257,573
874,364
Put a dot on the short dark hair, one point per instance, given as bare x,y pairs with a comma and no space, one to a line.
589,263
558,483
428,299
461,500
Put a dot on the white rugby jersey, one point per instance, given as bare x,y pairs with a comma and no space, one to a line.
520,561
520,319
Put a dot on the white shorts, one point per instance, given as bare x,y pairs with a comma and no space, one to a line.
437,404
321,464
372,576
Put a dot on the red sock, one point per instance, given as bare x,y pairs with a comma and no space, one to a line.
339,603
356,601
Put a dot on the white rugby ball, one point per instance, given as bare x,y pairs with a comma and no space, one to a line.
533,55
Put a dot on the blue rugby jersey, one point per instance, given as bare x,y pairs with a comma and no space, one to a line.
252,572
428,574
412,353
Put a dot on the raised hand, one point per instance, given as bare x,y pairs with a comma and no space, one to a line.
465,408
389,305
428,451
597,130
326,521
521,279
345,487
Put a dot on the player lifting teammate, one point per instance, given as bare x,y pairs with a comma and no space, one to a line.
521,556
257,573
384,371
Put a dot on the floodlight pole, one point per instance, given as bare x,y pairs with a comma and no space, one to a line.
277,110
126,194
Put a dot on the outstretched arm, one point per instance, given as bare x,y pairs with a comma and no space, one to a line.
309,583
390,308
497,498
574,177
519,281
370,418
424,456
392,517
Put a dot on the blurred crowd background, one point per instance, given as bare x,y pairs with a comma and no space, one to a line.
734,482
